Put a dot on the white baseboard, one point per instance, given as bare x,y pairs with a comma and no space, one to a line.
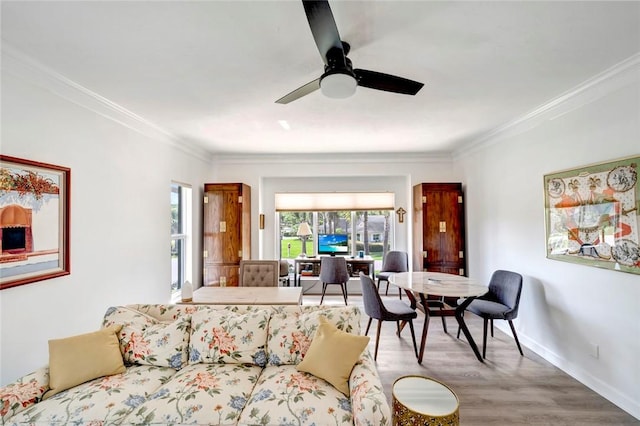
625,402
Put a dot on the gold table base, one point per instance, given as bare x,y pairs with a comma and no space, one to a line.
402,416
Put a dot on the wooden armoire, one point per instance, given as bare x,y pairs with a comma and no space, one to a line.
226,232
439,228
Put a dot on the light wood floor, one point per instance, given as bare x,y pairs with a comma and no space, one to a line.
505,390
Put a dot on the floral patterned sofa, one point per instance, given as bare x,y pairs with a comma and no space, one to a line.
194,364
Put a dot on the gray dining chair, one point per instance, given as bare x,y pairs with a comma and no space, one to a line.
390,310
394,261
333,270
501,302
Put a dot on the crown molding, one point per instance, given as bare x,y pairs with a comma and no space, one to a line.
620,75
340,158
22,66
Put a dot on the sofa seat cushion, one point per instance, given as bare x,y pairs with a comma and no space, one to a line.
110,397
199,394
286,396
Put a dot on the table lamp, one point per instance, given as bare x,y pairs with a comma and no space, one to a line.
303,232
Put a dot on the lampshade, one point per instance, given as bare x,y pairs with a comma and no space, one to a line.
338,85
304,230
187,292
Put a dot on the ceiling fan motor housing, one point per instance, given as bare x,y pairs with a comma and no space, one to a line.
338,84
338,80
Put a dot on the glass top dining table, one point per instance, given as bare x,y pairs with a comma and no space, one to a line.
426,284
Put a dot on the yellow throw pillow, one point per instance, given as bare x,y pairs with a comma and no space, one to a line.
78,359
332,355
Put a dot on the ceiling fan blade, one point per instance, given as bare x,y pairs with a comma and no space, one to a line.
310,87
389,83
323,27
339,78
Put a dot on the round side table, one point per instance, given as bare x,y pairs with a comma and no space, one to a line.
419,400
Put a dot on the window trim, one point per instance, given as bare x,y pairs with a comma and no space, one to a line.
183,238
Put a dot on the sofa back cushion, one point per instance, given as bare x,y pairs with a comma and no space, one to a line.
291,332
163,312
146,341
224,337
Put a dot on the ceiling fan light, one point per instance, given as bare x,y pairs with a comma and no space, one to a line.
338,85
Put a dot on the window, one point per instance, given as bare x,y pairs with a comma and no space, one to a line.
373,232
181,230
343,223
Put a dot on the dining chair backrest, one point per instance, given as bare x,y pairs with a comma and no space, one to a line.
284,272
391,310
505,287
333,270
259,273
501,302
284,268
373,305
395,261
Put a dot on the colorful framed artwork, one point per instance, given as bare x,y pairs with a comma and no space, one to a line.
592,215
34,221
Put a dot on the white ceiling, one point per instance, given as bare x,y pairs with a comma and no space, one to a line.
209,72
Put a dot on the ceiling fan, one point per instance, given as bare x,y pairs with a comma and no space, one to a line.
340,79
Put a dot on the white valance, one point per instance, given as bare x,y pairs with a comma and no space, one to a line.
334,201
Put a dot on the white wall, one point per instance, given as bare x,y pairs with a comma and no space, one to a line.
322,173
565,308
120,210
